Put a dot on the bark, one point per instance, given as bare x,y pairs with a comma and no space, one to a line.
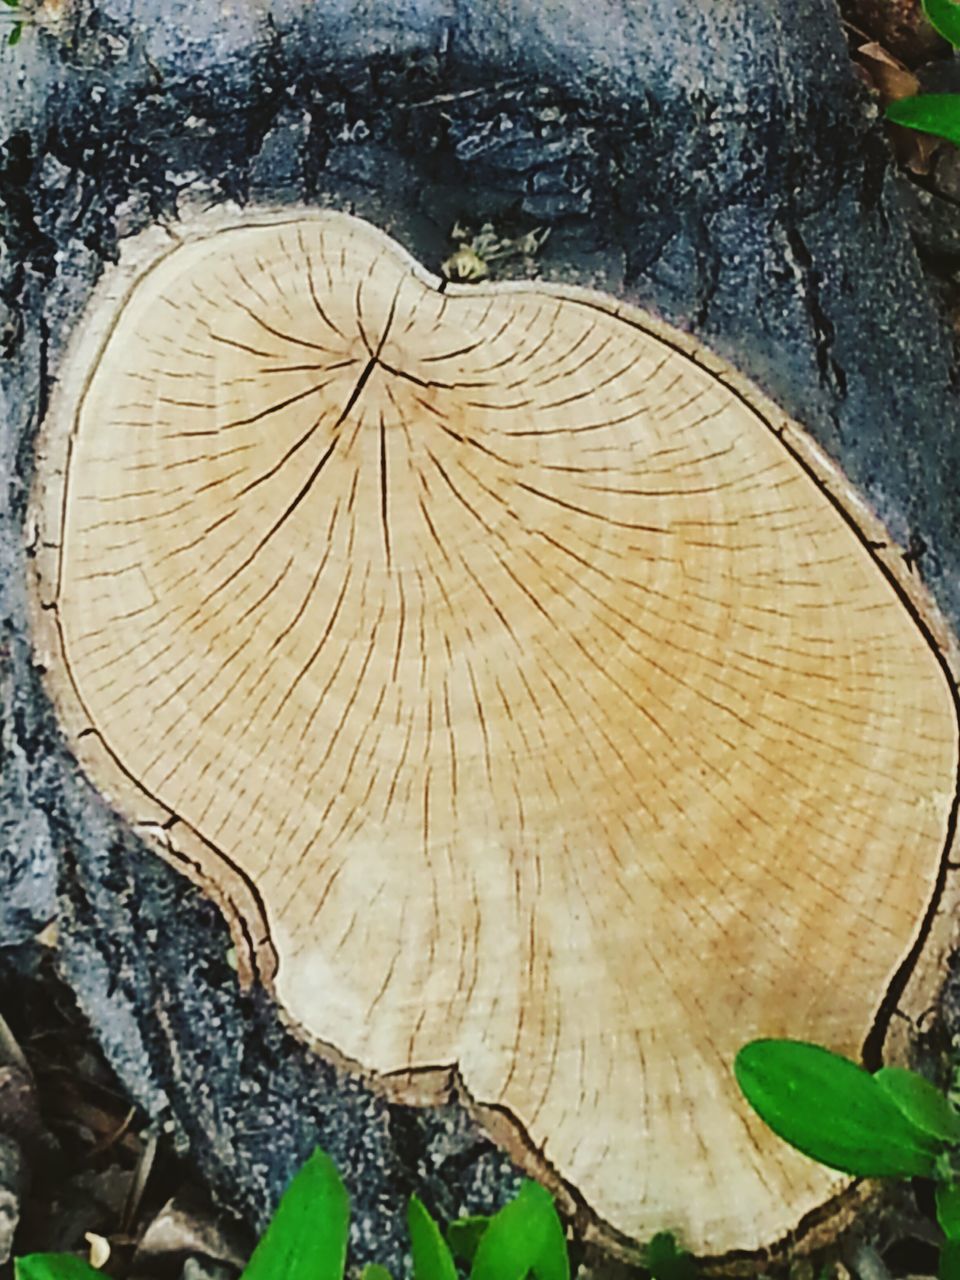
711,159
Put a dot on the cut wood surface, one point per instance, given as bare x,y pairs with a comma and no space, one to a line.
535,698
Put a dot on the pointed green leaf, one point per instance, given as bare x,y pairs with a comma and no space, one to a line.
463,1236
374,1271
54,1266
15,34
944,16
307,1236
665,1261
921,1102
432,1259
948,1209
937,113
949,1268
832,1110
525,1236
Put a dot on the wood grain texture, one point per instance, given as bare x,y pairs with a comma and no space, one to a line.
528,690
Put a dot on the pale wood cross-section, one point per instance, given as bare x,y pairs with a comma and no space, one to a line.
513,676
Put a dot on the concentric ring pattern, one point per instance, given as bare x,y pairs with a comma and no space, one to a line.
570,733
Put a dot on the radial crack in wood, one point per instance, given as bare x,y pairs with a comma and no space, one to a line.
534,697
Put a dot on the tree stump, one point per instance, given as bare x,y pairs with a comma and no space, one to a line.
714,163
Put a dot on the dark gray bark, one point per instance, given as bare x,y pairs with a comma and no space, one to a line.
712,159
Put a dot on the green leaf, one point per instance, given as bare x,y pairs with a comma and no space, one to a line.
937,113
12,4
464,1234
526,1235
307,1236
833,1110
944,16
948,1209
54,1266
432,1259
14,36
374,1271
665,1261
921,1102
949,1268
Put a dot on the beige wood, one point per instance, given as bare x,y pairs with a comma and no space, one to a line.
534,697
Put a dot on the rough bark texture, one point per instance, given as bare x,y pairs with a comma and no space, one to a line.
712,159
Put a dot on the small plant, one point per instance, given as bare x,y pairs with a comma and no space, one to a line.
666,1261
307,1239
16,29
936,113
888,1123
